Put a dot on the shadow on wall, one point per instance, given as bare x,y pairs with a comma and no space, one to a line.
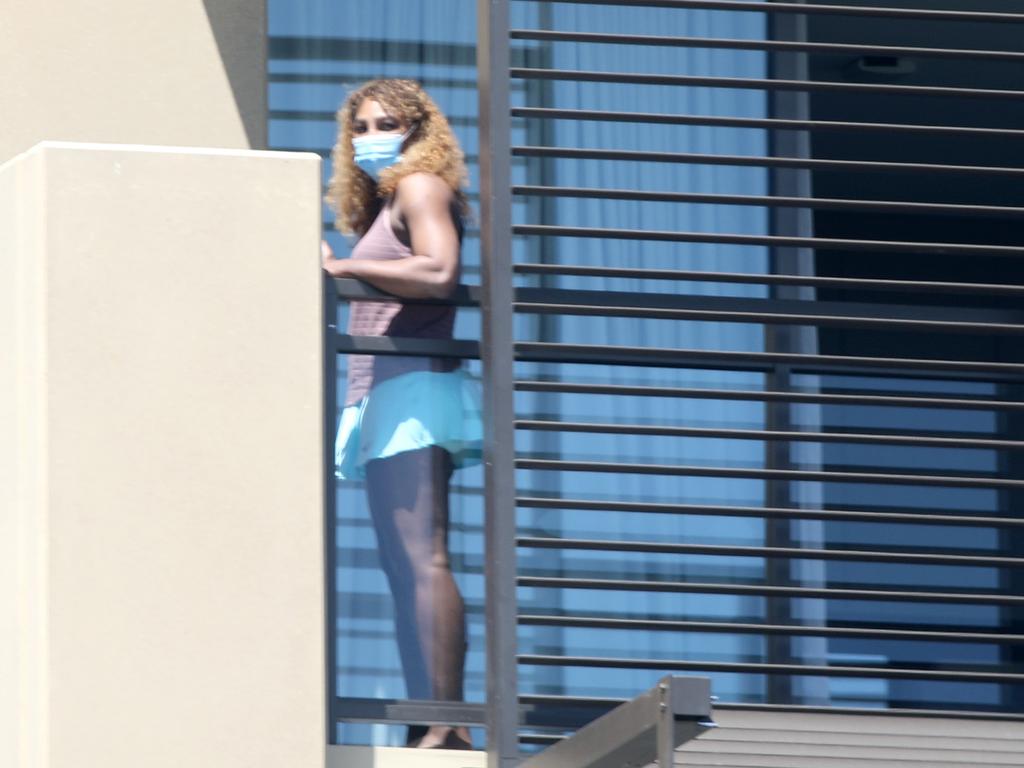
240,29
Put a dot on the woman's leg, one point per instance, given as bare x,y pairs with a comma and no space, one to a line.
408,496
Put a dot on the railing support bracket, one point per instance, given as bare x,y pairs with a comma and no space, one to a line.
647,728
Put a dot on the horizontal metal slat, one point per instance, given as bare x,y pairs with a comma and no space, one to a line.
373,710
352,289
766,317
766,434
539,712
701,393
657,508
771,201
331,116
800,670
722,627
759,123
859,166
545,35
749,733
750,278
788,553
353,79
766,590
763,361
682,358
703,754
831,750
710,753
814,9
985,724
793,475
402,346
753,83
700,757
827,243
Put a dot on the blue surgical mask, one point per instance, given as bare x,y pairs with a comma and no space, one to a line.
375,153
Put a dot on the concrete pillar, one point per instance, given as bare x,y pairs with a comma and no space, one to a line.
161,432
184,73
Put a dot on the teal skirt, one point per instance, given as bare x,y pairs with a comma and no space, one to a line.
407,412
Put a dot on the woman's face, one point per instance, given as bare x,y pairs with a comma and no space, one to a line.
372,119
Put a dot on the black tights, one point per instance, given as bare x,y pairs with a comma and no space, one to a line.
408,495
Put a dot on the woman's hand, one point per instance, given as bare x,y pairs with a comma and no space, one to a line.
332,266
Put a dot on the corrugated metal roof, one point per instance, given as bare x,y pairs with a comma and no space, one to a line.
755,739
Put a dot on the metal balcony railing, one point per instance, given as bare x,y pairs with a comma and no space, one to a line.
961,333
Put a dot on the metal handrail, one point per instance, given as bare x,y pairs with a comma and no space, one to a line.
505,711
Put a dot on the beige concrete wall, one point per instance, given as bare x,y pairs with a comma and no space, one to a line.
163,370
21,371
187,72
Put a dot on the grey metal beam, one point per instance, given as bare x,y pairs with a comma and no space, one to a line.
709,393
889,367
781,553
329,310
754,473
754,278
758,6
402,346
370,710
794,669
821,164
553,113
771,201
546,35
559,702
831,243
646,728
920,439
690,587
497,355
751,83
727,627
802,513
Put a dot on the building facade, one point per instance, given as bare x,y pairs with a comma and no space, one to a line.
704,175
766,418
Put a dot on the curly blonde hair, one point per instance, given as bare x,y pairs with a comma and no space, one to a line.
431,147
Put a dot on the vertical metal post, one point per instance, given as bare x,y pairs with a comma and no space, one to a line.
796,261
497,357
665,730
329,306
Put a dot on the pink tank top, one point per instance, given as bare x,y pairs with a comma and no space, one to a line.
390,318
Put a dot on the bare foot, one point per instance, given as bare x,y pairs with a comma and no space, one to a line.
445,737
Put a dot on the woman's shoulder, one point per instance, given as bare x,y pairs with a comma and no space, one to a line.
425,194
420,184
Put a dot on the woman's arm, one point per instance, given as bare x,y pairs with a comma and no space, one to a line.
424,201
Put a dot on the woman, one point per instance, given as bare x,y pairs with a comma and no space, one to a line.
408,421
